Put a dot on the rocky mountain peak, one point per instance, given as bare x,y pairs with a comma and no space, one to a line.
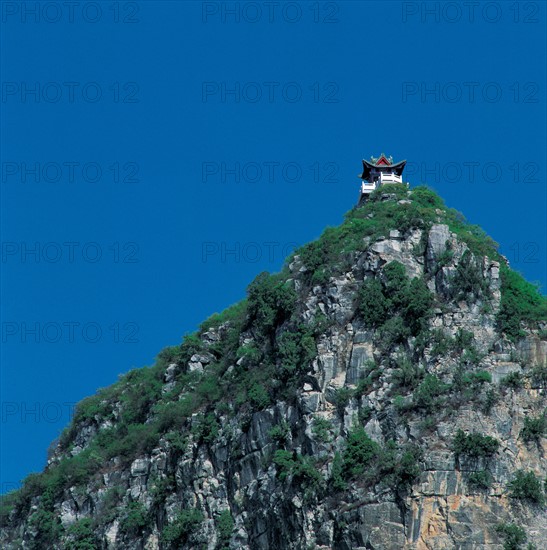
385,390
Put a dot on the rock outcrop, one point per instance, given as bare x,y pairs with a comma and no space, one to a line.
350,439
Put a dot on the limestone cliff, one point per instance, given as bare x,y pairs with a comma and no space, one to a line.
386,390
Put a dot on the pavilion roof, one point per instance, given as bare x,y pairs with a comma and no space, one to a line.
382,163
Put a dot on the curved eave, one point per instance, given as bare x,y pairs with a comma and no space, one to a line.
397,168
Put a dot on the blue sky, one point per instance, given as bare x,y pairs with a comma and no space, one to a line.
180,148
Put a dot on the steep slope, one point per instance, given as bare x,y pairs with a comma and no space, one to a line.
386,390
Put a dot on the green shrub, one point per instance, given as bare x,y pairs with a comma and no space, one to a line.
336,480
288,352
226,348
295,350
481,479
463,340
254,388
234,314
373,305
209,390
474,445
441,343
191,344
270,302
521,302
206,428
393,331
539,375
34,484
444,258
360,452
186,523
471,356
81,536
470,383
399,307
397,190
170,354
7,505
377,217
135,519
320,277
250,353
407,217
365,384
468,283
342,397
140,389
396,283
47,526
513,381
225,526
285,461
323,256
417,307
307,474
490,399
74,470
526,486
399,468
364,414
534,428
90,408
108,508
400,403
407,469
299,468
161,488
427,394
429,423
513,535
480,377
258,396
172,415
314,256
321,429
473,236
426,197
281,432
408,374
125,441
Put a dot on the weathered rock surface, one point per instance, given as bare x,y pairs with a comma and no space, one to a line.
440,511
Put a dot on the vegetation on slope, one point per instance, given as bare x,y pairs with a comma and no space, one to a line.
263,353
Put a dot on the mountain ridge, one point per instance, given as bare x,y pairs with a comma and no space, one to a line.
297,417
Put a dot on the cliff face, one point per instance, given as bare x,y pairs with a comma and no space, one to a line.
385,391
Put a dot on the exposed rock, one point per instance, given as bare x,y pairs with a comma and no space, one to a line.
140,467
233,463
